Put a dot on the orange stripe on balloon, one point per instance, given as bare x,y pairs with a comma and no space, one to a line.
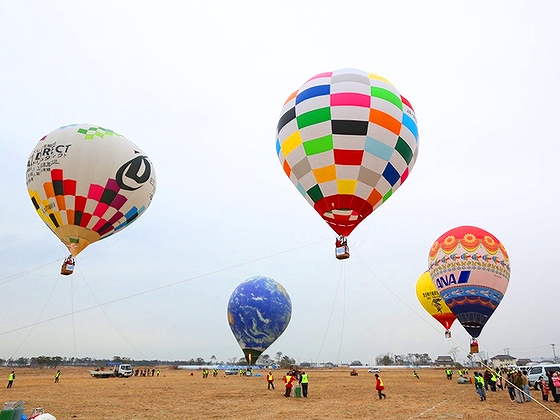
49,190
374,198
61,202
70,216
292,96
385,120
287,168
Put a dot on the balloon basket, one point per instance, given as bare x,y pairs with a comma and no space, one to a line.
474,347
342,252
67,269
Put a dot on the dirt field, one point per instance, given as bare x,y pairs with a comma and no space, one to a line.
333,394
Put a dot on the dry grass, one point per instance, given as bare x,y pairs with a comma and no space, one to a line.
333,394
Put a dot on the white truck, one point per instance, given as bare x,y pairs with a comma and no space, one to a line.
119,370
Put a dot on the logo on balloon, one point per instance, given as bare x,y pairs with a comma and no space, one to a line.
134,173
450,279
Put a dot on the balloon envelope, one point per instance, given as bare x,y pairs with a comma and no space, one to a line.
87,183
431,301
470,268
259,311
347,139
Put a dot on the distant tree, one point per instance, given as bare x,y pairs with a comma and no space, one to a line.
264,360
453,352
400,360
278,356
384,360
213,360
287,362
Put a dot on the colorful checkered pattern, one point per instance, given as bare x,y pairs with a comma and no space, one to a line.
347,140
99,211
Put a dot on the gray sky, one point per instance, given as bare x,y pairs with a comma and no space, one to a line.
200,89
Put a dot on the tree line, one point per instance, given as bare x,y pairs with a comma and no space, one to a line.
56,361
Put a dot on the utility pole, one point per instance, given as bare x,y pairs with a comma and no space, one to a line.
554,353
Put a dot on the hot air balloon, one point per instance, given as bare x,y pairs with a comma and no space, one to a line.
259,311
347,139
87,183
470,268
431,301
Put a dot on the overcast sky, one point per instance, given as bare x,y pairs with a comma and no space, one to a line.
199,87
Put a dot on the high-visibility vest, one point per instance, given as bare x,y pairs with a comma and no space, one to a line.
480,380
380,381
11,377
269,377
304,378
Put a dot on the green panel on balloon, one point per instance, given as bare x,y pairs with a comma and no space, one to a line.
315,193
378,92
320,145
314,117
404,150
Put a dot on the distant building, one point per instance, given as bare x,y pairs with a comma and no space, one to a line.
444,361
524,362
502,360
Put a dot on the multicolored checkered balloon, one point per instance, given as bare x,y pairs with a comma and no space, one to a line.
87,182
347,139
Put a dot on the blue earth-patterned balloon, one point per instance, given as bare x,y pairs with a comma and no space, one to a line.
259,311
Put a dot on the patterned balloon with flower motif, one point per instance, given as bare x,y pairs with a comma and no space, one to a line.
470,268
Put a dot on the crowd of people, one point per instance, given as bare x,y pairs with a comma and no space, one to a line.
516,382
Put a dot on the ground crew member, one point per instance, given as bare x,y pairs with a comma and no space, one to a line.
304,381
289,379
57,376
416,375
479,385
379,386
449,374
270,380
11,379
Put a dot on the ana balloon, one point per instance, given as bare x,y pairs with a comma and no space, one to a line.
431,301
259,311
347,139
87,183
470,268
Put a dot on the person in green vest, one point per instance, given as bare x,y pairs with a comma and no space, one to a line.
57,376
480,385
449,374
304,381
11,379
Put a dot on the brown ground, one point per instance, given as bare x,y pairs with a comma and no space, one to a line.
333,394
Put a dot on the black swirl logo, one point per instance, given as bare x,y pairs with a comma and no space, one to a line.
134,173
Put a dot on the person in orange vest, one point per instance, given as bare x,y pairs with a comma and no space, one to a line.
289,379
379,386
270,380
